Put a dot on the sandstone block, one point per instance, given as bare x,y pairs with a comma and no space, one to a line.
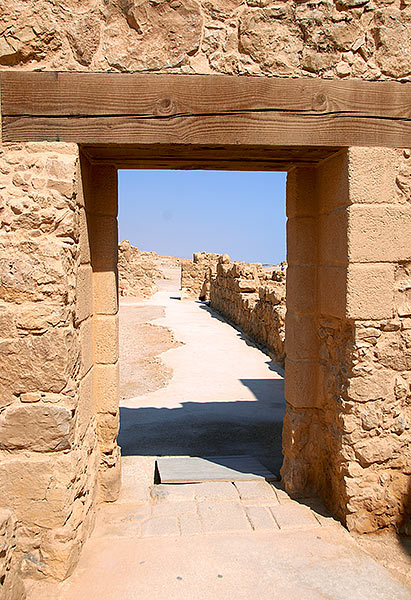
105,292
109,475
372,175
38,362
256,491
102,191
160,526
301,288
190,524
107,384
106,339
86,341
301,192
40,428
301,337
370,291
103,240
379,233
301,383
215,490
332,242
332,186
332,282
301,241
84,242
293,516
107,429
85,409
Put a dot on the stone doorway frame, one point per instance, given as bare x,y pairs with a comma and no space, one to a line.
324,133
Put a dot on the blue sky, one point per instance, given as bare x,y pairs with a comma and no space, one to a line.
177,213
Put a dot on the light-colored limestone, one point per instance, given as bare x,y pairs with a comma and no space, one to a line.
215,490
292,516
260,518
223,516
256,490
160,526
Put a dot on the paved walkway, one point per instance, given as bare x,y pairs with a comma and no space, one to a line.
219,540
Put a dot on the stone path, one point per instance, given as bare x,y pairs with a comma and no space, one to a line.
214,540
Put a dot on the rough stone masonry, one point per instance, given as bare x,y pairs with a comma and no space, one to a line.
348,371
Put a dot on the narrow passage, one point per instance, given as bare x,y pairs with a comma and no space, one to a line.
225,397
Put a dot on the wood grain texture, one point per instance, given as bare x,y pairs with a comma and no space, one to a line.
186,156
101,108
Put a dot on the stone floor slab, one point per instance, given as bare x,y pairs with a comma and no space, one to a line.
256,491
281,494
173,508
216,490
177,492
260,518
190,524
293,516
160,527
223,516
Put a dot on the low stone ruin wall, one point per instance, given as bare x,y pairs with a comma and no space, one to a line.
138,270
195,275
253,299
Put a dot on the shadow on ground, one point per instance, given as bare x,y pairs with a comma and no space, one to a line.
245,427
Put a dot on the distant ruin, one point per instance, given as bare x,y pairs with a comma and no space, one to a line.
248,295
138,270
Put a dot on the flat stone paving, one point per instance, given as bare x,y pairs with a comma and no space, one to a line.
211,507
217,541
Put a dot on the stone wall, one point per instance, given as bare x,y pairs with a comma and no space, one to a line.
48,438
348,372
137,271
195,275
11,583
254,300
319,38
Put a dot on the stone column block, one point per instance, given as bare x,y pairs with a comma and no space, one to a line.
370,291
301,338
84,293
106,339
379,233
302,288
301,383
105,292
302,241
107,388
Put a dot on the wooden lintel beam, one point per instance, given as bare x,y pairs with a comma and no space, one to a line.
110,108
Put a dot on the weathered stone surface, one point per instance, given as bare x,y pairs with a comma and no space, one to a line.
138,270
84,38
149,36
253,299
271,39
11,584
42,428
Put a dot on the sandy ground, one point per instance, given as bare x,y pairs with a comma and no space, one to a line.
225,396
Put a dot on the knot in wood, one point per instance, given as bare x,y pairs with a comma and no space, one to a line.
319,102
165,106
